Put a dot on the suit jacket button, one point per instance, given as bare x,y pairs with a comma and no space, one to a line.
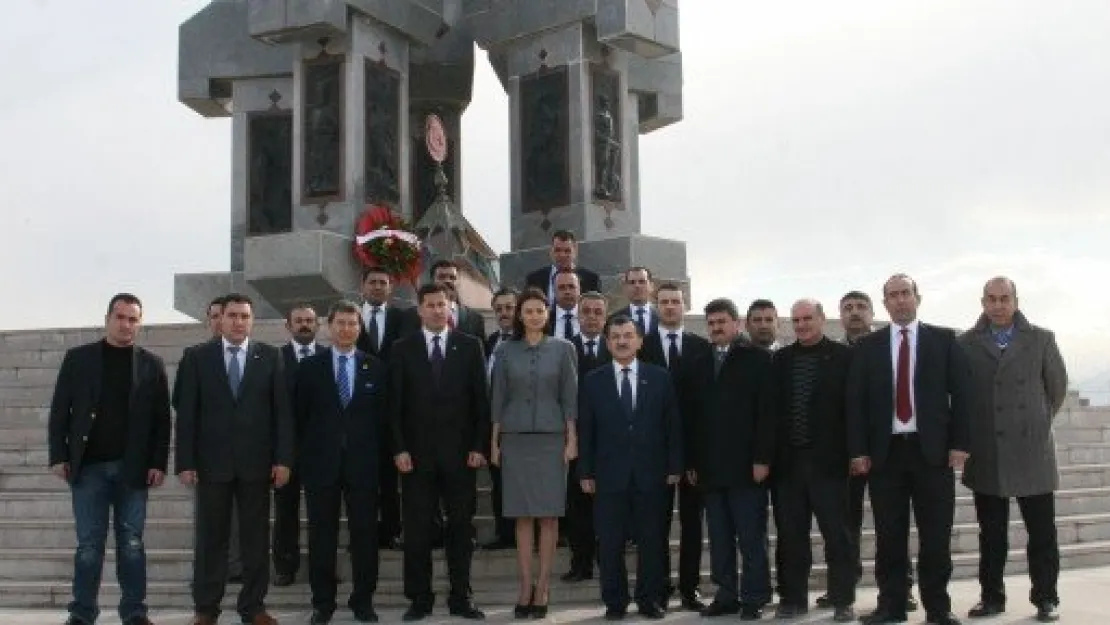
92,415
84,439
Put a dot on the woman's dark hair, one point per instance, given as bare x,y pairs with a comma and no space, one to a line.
531,293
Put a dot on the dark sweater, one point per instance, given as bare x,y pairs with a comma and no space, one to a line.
108,436
803,379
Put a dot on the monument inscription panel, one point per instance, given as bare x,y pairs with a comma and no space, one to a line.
383,123
606,122
544,139
323,128
270,167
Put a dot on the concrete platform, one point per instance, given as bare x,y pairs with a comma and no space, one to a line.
1082,594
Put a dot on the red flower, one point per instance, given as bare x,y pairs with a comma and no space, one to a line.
397,252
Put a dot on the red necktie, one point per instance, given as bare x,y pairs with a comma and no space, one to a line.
902,406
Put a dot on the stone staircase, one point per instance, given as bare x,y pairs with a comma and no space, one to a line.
36,528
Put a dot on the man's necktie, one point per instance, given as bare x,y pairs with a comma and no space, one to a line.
372,328
591,348
640,320
718,360
304,353
902,406
626,390
234,373
437,358
343,381
568,326
672,351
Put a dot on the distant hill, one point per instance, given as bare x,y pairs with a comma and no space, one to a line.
1096,388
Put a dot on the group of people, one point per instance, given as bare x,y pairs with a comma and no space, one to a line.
592,422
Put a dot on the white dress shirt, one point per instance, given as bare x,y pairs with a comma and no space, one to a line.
586,344
666,341
240,356
648,313
633,377
560,322
895,342
428,340
297,347
379,318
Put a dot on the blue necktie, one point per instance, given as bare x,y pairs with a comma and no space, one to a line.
437,358
640,320
343,381
234,373
626,391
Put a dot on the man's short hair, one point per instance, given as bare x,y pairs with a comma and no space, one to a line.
299,306
760,304
343,306
594,295
566,270
668,286
563,235
238,298
219,300
502,292
860,295
443,262
619,320
367,272
638,268
722,305
126,298
428,289
901,276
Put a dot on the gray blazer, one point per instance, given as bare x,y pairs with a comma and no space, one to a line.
534,389
1014,396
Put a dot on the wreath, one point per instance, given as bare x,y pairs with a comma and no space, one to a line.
383,239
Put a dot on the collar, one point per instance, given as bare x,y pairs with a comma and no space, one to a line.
595,339
297,347
243,346
367,306
560,311
349,353
896,330
634,367
633,307
663,332
428,335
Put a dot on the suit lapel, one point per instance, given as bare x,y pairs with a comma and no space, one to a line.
1018,343
96,372
216,356
250,363
329,368
888,367
640,396
986,341
614,387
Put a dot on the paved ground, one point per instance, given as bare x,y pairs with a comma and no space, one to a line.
1085,600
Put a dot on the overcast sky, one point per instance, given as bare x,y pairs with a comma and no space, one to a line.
825,146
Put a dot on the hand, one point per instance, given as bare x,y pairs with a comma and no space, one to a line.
61,470
957,458
673,479
495,455
760,472
570,452
475,460
155,478
279,475
188,478
861,465
403,461
588,486
691,477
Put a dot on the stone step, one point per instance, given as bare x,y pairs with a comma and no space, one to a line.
491,592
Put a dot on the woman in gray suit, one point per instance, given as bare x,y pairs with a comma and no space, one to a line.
535,393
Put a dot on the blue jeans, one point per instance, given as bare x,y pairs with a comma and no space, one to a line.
97,490
737,516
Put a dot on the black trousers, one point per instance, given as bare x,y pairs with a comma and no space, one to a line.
504,529
906,480
691,513
286,548
616,515
421,493
580,523
857,488
1039,514
389,492
323,543
803,490
214,504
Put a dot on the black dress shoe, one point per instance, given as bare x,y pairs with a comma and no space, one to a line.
365,615
416,613
882,616
574,575
393,544
615,614
844,614
76,620
284,579
984,609
466,610
1048,612
787,611
319,617
943,619
235,578
692,602
651,611
823,602
749,612
718,608
498,544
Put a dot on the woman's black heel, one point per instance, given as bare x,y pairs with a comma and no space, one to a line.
538,611
522,611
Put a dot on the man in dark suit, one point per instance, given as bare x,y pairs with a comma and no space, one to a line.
564,255
676,350
908,429
460,318
383,322
109,436
630,436
564,321
341,397
639,286
301,323
504,308
439,410
234,438
592,353
730,389
804,446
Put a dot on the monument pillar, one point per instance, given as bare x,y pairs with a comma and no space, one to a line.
578,79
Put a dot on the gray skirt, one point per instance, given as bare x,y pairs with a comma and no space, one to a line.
533,475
